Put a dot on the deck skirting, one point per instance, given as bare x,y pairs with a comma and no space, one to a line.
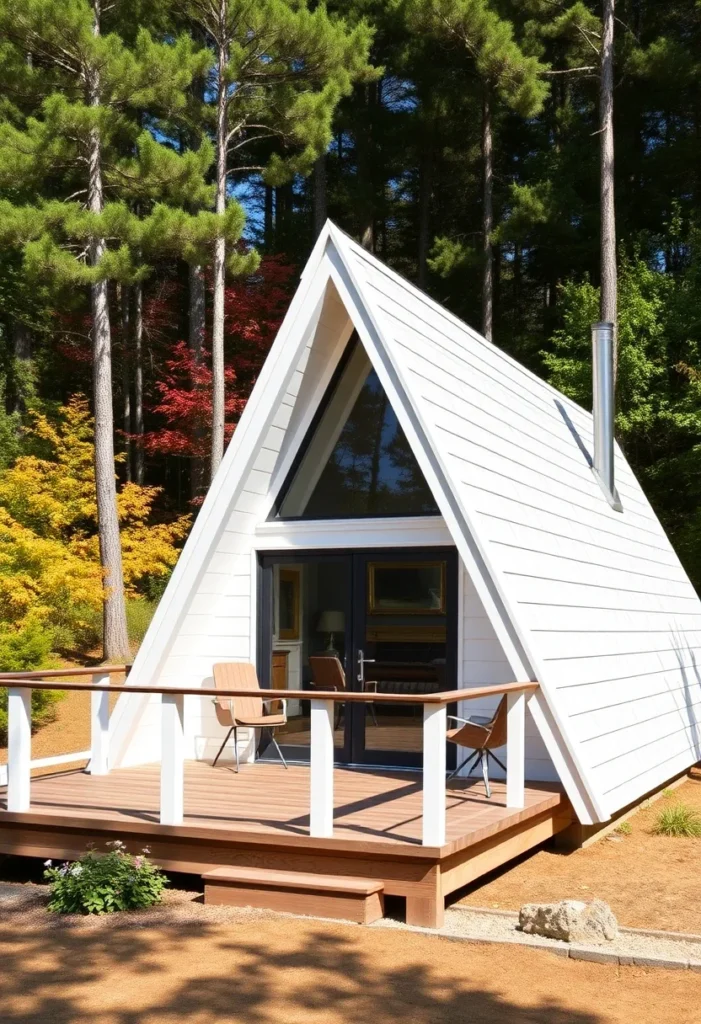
258,820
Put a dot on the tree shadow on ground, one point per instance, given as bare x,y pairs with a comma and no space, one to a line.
259,970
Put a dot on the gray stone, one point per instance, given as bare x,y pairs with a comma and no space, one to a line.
593,955
570,921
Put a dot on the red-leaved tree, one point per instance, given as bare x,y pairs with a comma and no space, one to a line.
254,308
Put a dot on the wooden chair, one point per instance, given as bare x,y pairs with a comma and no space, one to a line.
244,712
482,739
328,674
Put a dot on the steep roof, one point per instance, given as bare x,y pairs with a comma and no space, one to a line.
592,602
606,615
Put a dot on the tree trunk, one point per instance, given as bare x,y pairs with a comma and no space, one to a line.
218,397
487,219
364,160
21,368
268,219
126,384
609,277
425,195
320,208
196,335
115,637
139,381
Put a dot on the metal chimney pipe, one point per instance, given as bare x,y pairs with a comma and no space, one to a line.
603,404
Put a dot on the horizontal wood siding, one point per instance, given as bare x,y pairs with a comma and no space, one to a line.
605,610
483,662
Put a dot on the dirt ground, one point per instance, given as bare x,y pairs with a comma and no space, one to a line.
262,969
649,881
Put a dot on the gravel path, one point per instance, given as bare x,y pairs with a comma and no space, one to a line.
631,946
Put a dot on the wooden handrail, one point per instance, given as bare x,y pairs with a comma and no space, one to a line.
56,673
339,696
435,721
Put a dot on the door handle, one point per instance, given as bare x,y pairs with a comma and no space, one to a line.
362,662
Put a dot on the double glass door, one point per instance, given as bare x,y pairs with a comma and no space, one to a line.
389,617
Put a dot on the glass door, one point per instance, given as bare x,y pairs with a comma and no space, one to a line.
372,621
405,643
305,615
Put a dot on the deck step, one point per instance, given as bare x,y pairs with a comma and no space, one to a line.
296,892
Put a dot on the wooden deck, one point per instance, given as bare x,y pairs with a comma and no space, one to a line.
260,818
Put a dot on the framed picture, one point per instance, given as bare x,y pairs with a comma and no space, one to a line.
406,588
288,604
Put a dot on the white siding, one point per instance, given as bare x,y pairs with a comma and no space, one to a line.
606,614
483,663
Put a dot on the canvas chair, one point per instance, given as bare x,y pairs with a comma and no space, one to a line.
328,674
244,712
482,739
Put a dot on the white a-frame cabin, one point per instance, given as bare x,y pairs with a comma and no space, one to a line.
402,494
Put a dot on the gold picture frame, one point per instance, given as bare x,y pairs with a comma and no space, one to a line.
395,588
288,603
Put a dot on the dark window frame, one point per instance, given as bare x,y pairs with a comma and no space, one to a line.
276,513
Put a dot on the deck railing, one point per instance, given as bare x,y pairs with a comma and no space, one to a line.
321,797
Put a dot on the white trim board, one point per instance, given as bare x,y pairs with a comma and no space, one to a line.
386,532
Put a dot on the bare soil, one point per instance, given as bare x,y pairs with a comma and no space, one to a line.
243,967
649,881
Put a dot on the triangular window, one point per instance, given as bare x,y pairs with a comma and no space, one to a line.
357,461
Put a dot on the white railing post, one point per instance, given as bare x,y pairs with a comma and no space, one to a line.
19,747
515,749
435,726
321,770
99,726
172,758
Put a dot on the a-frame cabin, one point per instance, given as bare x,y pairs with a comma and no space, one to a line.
404,495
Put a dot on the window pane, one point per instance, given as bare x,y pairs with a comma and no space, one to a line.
358,463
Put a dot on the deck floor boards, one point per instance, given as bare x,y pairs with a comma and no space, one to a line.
370,806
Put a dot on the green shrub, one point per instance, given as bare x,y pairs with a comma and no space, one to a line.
678,820
624,829
21,650
101,883
139,614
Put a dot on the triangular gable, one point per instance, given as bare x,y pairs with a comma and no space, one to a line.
564,579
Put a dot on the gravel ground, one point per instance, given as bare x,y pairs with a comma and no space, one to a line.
471,923
28,903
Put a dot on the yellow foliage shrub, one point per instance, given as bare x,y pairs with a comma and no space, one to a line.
49,555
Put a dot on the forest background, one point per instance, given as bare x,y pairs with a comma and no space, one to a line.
165,168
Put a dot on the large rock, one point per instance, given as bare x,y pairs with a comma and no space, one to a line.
570,920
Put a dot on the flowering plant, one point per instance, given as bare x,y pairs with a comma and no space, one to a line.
100,883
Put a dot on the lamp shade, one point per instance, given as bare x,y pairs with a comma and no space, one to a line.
331,621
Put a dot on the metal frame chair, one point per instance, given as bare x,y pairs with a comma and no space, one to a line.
244,712
482,739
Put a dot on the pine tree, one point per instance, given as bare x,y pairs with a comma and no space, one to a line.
506,75
91,87
278,72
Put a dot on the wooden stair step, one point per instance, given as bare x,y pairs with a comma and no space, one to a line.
296,892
